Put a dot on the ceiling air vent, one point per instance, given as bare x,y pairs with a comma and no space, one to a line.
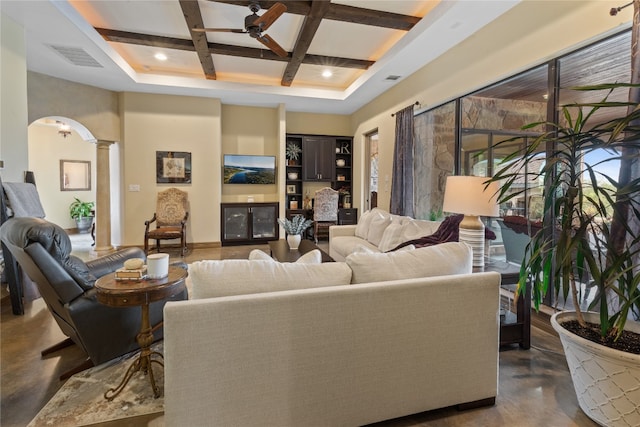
392,77
76,55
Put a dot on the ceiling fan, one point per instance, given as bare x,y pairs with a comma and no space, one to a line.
255,24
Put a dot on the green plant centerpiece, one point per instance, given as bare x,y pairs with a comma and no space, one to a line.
297,225
292,152
82,213
576,248
294,228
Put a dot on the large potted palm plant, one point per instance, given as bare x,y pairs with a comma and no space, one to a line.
576,247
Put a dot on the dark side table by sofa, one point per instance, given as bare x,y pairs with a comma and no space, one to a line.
518,332
128,293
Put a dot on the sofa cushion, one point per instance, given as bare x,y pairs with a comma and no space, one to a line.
391,237
257,254
379,222
311,257
348,244
362,228
438,260
215,278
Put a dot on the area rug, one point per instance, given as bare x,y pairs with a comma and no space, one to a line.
81,401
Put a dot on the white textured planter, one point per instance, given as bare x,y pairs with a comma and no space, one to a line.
606,381
294,241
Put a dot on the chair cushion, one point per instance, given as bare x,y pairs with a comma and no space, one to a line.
438,260
213,278
165,233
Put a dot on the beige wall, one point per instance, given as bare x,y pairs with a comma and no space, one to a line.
250,130
46,150
171,123
319,124
529,34
13,107
96,109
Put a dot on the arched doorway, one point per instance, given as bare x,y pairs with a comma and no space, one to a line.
55,142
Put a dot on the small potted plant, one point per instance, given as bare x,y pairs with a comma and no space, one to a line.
294,228
82,213
292,153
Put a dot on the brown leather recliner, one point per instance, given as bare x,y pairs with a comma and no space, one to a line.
66,284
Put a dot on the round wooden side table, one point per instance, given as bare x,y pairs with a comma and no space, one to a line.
130,293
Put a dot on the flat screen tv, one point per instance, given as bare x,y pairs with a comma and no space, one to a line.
249,169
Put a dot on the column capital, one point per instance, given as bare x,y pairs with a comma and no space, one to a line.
101,143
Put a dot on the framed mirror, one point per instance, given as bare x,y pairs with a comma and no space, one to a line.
75,175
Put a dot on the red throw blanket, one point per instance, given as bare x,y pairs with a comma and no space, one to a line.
447,232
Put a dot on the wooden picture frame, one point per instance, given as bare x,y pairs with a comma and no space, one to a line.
75,175
291,189
173,167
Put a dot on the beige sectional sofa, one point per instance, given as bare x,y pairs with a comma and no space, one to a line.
337,344
377,231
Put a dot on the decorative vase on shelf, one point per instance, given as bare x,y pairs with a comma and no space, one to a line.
292,176
340,163
294,241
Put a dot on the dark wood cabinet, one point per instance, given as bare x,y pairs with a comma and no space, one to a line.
318,158
347,216
249,223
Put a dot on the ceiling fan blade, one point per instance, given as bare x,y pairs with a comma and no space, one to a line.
266,19
219,30
271,44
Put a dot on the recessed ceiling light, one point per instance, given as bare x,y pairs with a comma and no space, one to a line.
545,96
327,73
160,56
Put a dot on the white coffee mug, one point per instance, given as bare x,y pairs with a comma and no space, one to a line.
158,266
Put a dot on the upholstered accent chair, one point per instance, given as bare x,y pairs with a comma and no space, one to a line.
171,220
325,210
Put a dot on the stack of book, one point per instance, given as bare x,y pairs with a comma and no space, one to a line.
135,274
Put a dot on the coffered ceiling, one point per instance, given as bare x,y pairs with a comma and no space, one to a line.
335,55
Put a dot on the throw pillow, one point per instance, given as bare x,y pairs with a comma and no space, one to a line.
311,257
391,237
438,260
379,222
362,228
257,254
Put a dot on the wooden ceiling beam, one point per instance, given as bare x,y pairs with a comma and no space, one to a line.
344,13
193,18
376,18
311,23
118,36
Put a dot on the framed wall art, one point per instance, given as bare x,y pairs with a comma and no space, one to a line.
291,189
173,167
75,175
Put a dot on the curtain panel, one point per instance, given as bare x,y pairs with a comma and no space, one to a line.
402,173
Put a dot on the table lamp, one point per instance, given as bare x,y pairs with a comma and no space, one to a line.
467,195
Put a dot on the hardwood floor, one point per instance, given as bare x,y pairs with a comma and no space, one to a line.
534,385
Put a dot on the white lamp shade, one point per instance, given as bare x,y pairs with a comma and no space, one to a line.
467,195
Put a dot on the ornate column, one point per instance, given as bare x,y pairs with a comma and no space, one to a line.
103,198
